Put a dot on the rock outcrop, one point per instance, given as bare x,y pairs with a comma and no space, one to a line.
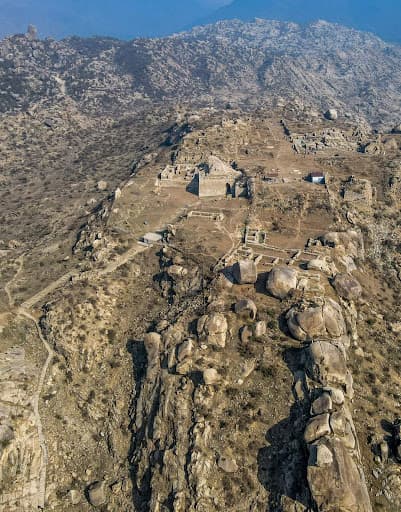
308,322
347,286
213,329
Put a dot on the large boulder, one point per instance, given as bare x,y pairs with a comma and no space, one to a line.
347,286
309,323
281,280
317,427
213,329
331,114
211,376
245,272
321,265
325,364
97,494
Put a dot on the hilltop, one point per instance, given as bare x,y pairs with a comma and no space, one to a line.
381,17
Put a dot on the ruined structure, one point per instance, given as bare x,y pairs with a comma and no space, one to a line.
173,175
219,179
358,191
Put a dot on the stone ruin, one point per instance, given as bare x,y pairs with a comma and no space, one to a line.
213,178
173,175
358,191
218,179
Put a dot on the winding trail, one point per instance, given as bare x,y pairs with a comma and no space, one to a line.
36,400
63,280
7,287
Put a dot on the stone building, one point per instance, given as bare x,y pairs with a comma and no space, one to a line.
317,177
218,179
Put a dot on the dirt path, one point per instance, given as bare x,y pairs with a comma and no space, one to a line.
40,296
38,420
63,280
8,286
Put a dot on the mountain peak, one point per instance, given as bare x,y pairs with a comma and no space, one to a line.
379,16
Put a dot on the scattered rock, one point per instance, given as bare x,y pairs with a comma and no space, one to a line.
228,465
102,185
359,352
176,271
246,334
247,368
211,376
75,497
6,434
395,327
384,452
97,494
260,329
213,328
185,350
246,307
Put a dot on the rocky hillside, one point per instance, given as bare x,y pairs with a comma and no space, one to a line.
249,362
322,65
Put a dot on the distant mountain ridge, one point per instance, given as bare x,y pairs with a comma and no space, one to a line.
265,62
382,17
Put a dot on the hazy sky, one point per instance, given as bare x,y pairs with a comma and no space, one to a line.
121,18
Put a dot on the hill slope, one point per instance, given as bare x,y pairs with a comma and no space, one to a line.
379,16
322,66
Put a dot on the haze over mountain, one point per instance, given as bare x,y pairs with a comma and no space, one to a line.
379,16
125,19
